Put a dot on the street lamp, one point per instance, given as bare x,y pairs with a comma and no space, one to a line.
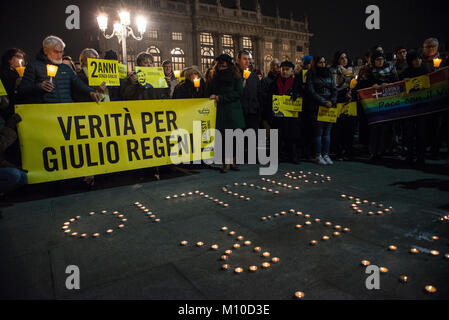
122,30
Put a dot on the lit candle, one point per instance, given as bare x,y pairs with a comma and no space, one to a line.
51,71
246,74
247,243
317,220
200,244
353,83
325,238
253,268
240,238
392,248
91,213
20,70
74,234
232,233
308,223
236,246
266,265
184,243
266,254
109,231
307,216
414,250
224,257
328,224
346,229
299,294
313,242
298,226
157,220
336,233
337,227
96,235
67,231
263,218
436,62
275,260
65,227
434,252
403,279
238,270
228,252
120,226
430,289
257,249
214,247
83,235
225,266
365,263
224,229
104,212
435,237
299,213
383,270
177,74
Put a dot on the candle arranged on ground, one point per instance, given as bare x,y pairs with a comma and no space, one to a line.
430,289
365,263
238,270
246,74
299,294
383,270
253,268
177,74
436,62
403,279
197,82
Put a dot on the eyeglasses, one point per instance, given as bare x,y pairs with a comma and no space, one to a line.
430,46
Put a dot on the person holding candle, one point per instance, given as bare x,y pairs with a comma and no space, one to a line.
226,88
193,87
343,133
323,92
252,93
36,86
12,60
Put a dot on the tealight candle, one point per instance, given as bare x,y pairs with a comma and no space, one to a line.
224,257
124,220
184,243
403,279
365,263
225,267
435,237
299,294
66,223
224,229
299,213
96,235
72,220
336,233
109,231
346,229
337,227
370,213
414,250
430,289
228,252
236,246
253,268
65,227
238,270
74,234
104,212
263,218
226,205
308,223
247,243
167,198
446,255
383,270
232,233
313,242
67,231
434,252
214,247
83,235
266,254
200,244
257,249
121,226
266,265
307,216
298,226
317,220
392,248
328,224
240,238
275,260
325,238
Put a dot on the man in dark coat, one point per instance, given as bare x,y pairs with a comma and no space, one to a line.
266,84
9,76
252,94
36,86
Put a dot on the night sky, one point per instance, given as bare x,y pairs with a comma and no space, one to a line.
337,25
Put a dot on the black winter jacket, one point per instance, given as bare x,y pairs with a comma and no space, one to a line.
252,95
66,81
321,89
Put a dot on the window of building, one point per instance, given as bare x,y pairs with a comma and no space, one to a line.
299,49
207,50
176,36
178,59
286,58
268,45
285,47
152,34
228,45
156,53
248,45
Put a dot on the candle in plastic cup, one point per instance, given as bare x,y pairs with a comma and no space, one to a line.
246,74
197,83
177,74
20,71
436,62
52,70
353,83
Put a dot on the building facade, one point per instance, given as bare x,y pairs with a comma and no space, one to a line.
193,33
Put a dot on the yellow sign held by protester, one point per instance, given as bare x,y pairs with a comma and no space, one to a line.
85,139
417,84
285,107
326,114
2,90
153,76
100,71
123,71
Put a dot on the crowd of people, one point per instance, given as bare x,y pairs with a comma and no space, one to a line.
243,102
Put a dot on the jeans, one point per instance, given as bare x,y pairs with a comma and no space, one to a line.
322,136
11,179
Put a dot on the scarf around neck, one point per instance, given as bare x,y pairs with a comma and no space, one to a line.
284,86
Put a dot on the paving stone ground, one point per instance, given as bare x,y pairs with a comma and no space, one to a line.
144,260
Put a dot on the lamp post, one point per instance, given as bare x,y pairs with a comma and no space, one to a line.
123,30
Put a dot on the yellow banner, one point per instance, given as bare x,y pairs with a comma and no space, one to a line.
304,75
100,71
2,90
152,75
123,71
349,109
417,84
84,139
284,106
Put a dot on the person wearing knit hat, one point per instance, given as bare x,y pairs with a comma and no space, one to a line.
287,64
307,60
